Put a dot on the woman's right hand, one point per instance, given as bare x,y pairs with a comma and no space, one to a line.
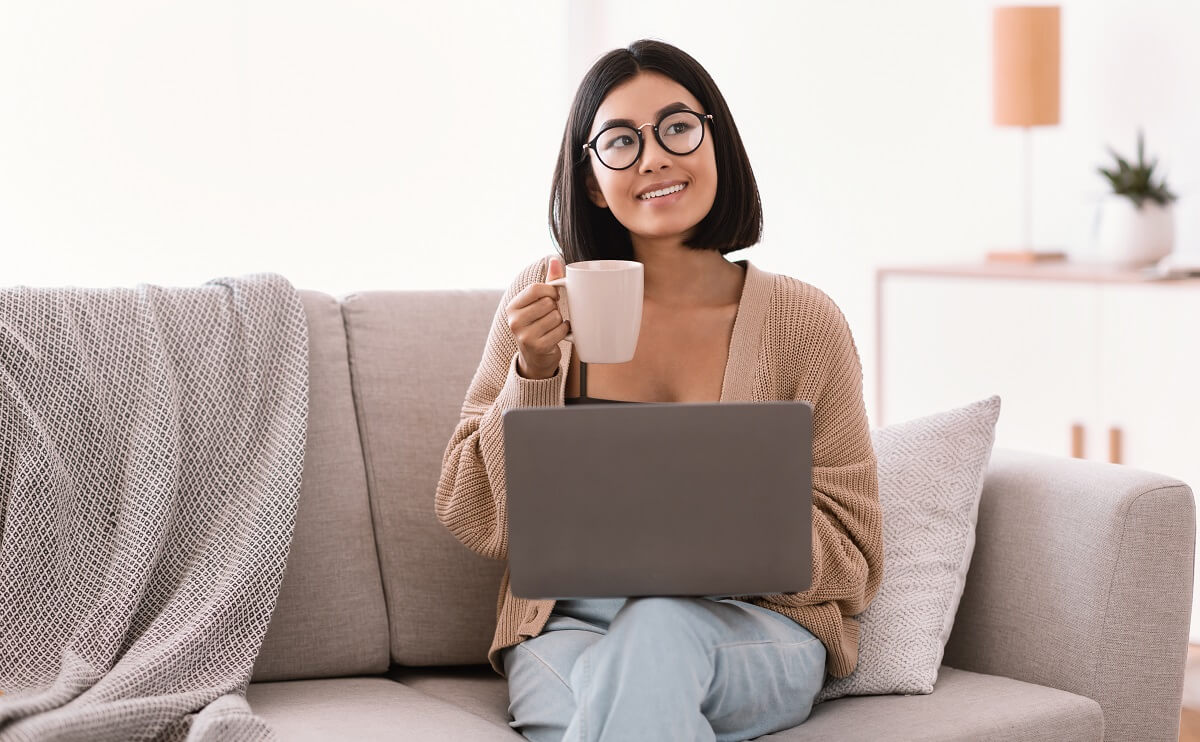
535,321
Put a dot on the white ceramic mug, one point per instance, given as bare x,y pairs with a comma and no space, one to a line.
602,299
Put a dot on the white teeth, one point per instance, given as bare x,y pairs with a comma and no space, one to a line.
663,192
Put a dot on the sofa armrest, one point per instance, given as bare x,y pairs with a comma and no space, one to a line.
1081,580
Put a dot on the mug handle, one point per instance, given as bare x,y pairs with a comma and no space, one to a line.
563,309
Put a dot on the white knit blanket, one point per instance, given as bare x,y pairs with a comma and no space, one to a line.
151,442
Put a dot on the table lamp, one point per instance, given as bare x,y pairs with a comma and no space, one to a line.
1025,86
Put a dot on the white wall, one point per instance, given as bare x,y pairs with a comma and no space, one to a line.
359,145
347,145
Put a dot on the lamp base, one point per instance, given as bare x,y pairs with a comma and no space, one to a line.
1025,255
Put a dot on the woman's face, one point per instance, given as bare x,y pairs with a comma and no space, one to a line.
640,100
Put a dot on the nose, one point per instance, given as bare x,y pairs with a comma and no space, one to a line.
653,156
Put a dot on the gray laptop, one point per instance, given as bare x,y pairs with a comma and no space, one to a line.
659,499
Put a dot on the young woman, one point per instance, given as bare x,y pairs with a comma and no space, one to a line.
652,169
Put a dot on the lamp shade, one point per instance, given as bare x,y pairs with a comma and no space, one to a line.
1025,65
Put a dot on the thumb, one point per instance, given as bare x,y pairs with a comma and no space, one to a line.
555,270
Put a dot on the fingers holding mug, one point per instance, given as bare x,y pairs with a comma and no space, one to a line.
563,307
538,325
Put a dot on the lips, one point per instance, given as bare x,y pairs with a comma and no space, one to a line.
662,190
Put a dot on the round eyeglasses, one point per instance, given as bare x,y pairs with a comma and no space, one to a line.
679,132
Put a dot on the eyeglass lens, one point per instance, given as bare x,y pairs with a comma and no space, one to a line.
680,133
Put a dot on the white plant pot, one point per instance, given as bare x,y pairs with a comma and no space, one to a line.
1131,236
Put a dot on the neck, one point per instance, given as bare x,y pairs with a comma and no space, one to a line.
679,276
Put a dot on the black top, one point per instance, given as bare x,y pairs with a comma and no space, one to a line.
583,398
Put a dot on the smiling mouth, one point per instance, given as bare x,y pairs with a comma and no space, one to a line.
663,192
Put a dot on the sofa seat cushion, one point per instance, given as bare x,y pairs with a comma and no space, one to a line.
963,706
366,708
472,703
474,688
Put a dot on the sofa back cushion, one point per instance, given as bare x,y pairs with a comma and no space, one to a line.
330,618
412,356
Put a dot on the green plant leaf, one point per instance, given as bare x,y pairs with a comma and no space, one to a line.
1136,181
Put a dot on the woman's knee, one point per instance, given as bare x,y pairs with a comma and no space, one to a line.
666,618
667,609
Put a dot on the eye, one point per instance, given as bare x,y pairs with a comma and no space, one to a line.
619,138
679,127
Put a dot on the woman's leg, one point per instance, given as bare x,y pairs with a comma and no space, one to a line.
694,669
539,699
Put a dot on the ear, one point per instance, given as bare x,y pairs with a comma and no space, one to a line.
594,192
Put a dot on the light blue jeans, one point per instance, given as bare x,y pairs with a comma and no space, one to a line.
663,669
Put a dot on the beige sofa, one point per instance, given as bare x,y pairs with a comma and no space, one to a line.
1073,625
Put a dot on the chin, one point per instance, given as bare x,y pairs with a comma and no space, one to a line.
684,231
663,227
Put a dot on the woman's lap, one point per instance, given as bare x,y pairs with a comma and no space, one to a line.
758,670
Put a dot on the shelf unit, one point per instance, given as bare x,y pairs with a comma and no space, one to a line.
1092,361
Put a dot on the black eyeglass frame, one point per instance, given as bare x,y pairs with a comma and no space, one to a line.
591,144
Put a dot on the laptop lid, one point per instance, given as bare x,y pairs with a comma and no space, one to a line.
697,499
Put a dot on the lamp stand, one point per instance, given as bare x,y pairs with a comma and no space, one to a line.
1026,253
1027,168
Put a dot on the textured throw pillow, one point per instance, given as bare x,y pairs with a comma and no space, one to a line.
930,478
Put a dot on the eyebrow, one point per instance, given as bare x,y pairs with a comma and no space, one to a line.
670,107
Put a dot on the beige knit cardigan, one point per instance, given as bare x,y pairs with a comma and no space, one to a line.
790,341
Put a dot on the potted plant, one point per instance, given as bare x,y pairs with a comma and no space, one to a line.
1136,222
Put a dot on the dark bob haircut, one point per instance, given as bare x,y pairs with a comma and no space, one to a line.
584,231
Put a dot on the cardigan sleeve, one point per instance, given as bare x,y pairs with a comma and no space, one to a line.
847,527
471,492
